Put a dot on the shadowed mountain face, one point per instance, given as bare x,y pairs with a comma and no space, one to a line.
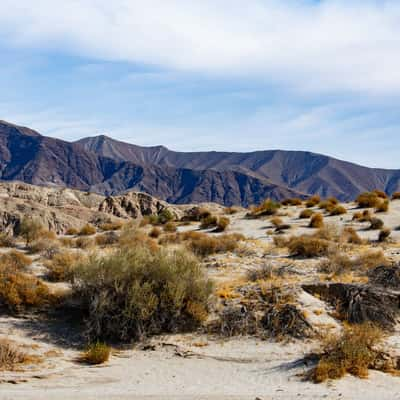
107,166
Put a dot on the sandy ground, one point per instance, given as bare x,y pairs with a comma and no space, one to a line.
196,366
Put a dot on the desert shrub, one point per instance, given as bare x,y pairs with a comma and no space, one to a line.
96,353
30,229
276,221
336,263
206,245
384,234
209,222
396,196
61,267
308,246
367,200
133,236
111,226
165,216
306,214
196,214
137,292
72,231
326,205
317,221
84,242
262,273
19,291
231,210
329,231
333,200
349,235
222,224
41,246
87,230
281,241
364,216
11,356
268,207
380,193
338,210
16,260
170,227
282,227
370,259
6,240
353,352
155,232
376,223
382,206
109,238
313,201
295,201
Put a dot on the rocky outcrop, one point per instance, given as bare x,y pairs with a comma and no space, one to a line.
135,205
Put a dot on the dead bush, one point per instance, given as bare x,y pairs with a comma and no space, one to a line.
138,292
317,221
313,201
353,352
16,260
11,356
19,291
87,230
306,214
308,246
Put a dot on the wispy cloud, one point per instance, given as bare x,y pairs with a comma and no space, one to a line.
326,45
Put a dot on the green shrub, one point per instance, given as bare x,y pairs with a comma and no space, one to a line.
96,353
139,292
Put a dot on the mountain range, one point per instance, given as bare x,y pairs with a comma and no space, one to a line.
103,165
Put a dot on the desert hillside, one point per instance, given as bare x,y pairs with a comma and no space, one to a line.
121,296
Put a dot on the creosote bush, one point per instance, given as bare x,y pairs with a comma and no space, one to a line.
96,353
353,352
139,292
317,221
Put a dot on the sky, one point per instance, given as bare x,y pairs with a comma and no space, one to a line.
230,75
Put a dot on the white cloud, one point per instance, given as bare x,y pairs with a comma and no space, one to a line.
331,45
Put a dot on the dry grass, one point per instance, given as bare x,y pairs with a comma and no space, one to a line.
87,230
268,207
61,266
265,272
209,222
111,226
84,243
352,352
317,221
109,238
16,260
11,357
72,231
155,232
222,224
6,240
205,245
96,353
349,235
382,206
170,227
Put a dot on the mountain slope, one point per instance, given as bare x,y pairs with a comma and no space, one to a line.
304,172
27,156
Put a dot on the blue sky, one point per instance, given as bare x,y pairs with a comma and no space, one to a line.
223,75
